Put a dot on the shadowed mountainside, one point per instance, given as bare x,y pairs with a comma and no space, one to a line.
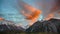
52,25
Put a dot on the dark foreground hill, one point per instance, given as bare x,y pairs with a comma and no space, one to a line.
52,25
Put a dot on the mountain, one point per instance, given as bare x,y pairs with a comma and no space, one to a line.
52,25
9,26
36,27
56,22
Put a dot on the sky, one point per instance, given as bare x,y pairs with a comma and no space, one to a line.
9,11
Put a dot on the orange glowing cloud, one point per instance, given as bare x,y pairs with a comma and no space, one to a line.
49,16
30,8
1,19
33,16
34,13
29,12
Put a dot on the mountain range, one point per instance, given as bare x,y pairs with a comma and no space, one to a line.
52,25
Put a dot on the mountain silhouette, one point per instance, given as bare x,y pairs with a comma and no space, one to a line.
52,25
9,26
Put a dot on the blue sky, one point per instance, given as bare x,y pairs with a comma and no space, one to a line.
9,12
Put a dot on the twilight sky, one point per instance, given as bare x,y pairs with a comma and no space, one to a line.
9,11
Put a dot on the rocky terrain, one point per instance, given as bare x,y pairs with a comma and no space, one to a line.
52,25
